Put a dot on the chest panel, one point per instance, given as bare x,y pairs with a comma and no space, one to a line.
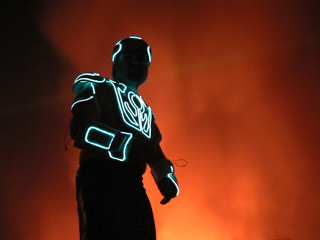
134,111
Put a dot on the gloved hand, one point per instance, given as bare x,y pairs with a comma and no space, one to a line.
162,171
168,189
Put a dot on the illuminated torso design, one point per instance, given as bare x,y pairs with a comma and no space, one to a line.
116,138
134,111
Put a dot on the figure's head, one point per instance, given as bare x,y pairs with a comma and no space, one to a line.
131,58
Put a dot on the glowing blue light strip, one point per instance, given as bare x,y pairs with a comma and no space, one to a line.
141,119
115,54
120,47
170,176
149,53
81,100
93,89
107,133
136,37
85,79
89,73
145,122
91,84
124,106
173,179
124,149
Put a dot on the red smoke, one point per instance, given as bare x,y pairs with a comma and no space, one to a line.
234,88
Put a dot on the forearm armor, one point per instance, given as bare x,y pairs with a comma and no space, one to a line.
100,137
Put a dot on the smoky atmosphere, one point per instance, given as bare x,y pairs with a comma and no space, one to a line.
234,86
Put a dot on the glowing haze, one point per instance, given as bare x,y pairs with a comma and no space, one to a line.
234,88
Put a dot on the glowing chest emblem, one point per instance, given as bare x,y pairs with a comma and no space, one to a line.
134,111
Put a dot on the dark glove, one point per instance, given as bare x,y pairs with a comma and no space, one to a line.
162,171
167,189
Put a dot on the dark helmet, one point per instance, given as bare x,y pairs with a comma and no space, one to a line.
131,43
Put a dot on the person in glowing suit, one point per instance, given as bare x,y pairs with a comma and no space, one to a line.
116,132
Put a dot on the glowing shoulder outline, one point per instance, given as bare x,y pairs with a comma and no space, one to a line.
83,78
85,99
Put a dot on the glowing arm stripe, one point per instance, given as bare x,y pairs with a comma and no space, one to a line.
81,100
102,138
109,137
173,179
85,99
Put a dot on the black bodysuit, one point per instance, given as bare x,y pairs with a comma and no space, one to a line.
112,202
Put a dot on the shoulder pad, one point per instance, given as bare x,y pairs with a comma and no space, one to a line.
81,81
85,95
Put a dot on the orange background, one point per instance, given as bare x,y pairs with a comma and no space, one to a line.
234,86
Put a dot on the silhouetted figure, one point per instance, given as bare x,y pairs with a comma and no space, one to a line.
117,134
